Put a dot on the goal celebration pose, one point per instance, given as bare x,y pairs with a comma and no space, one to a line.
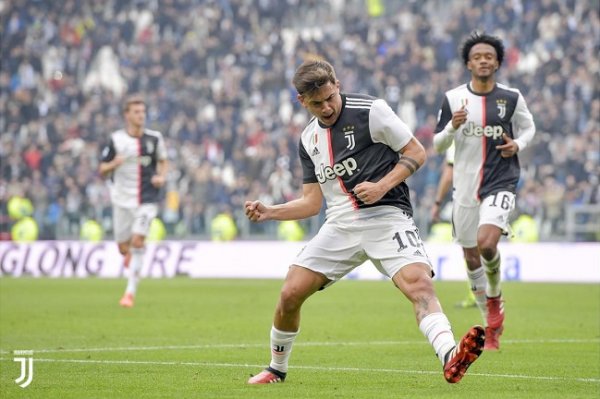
356,153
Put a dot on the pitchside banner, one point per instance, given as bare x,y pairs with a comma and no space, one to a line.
573,262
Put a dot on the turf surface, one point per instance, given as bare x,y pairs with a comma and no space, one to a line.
203,338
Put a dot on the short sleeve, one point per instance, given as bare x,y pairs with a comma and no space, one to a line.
108,152
308,167
387,128
444,115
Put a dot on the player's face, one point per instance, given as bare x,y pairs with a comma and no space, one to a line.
483,61
325,103
136,115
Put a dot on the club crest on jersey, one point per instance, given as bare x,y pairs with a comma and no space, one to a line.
501,104
349,134
149,147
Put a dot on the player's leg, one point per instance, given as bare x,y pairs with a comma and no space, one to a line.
143,216
329,256
122,223
415,282
299,284
403,258
488,237
465,221
124,250
494,215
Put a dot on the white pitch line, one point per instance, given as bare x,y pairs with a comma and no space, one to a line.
263,344
313,368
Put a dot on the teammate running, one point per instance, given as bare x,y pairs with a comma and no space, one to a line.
488,123
135,158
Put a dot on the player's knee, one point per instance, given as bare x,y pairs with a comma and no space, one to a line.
137,242
290,300
417,285
487,249
123,249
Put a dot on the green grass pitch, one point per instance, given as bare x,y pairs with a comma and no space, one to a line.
191,338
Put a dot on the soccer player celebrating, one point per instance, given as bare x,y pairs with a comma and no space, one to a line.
357,154
135,158
488,123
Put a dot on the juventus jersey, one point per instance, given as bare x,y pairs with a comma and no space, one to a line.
363,145
130,183
479,170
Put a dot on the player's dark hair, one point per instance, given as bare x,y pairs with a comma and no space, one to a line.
132,100
477,38
312,74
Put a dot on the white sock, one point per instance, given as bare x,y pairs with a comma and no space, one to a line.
135,266
281,348
492,270
437,329
478,286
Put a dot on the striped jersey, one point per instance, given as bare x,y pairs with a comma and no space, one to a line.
479,169
130,183
362,145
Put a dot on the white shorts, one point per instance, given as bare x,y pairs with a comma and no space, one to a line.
130,221
494,209
390,240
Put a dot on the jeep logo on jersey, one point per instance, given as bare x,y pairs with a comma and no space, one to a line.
347,166
494,132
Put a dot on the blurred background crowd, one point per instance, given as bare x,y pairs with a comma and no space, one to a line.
216,77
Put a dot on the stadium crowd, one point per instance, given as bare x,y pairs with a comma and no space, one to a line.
216,77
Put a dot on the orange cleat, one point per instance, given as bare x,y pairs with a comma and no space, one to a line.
461,357
268,376
495,321
127,300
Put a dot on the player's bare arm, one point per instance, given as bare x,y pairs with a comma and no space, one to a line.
413,157
106,168
509,148
159,179
306,206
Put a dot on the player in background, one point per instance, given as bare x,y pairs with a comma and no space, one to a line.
356,153
135,159
489,124
442,190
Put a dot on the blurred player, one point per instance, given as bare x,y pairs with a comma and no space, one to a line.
488,123
442,189
357,153
135,158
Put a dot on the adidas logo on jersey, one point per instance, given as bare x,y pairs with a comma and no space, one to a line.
315,151
494,132
340,169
